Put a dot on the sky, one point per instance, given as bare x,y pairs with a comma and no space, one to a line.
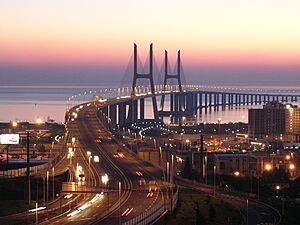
76,42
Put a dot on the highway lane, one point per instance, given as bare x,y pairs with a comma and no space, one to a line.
128,165
258,212
133,196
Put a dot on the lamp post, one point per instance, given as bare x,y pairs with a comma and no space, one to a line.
258,187
120,203
205,166
36,213
52,183
247,212
89,154
278,188
105,179
214,181
47,187
44,196
51,150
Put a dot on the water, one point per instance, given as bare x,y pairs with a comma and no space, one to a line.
27,103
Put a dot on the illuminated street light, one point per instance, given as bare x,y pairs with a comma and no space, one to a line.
268,167
104,179
277,187
96,158
292,166
14,123
236,173
287,157
39,120
70,152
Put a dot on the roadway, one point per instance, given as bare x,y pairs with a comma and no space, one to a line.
131,172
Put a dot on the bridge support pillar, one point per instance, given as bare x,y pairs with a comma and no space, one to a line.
112,115
223,96
133,111
171,102
148,76
176,102
230,100
122,113
210,100
200,102
142,108
218,101
195,103
205,101
215,101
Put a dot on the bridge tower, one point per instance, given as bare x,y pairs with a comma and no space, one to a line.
170,76
148,76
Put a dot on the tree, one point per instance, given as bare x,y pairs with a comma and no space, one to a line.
199,217
187,170
212,212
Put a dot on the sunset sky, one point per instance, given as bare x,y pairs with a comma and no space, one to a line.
232,42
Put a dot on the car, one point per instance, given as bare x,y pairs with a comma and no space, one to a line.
121,155
152,185
81,177
142,182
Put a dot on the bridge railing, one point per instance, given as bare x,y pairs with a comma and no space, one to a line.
148,217
155,213
21,172
144,90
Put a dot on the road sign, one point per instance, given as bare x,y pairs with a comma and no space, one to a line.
9,139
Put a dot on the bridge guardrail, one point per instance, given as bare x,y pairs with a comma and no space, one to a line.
20,172
148,217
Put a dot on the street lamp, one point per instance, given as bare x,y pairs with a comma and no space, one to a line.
215,180
104,180
70,154
89,154
52,183
187,141
268,167
96,159
278,188
39,120
236,173
14,124
292,166
47,191
120,203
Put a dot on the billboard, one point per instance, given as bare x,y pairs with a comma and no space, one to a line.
9,139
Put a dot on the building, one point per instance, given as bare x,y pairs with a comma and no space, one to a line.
268,122
292,125
256,163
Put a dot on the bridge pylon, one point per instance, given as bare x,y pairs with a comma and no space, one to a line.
170,76
148,76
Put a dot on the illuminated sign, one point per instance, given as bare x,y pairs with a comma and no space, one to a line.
9,139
